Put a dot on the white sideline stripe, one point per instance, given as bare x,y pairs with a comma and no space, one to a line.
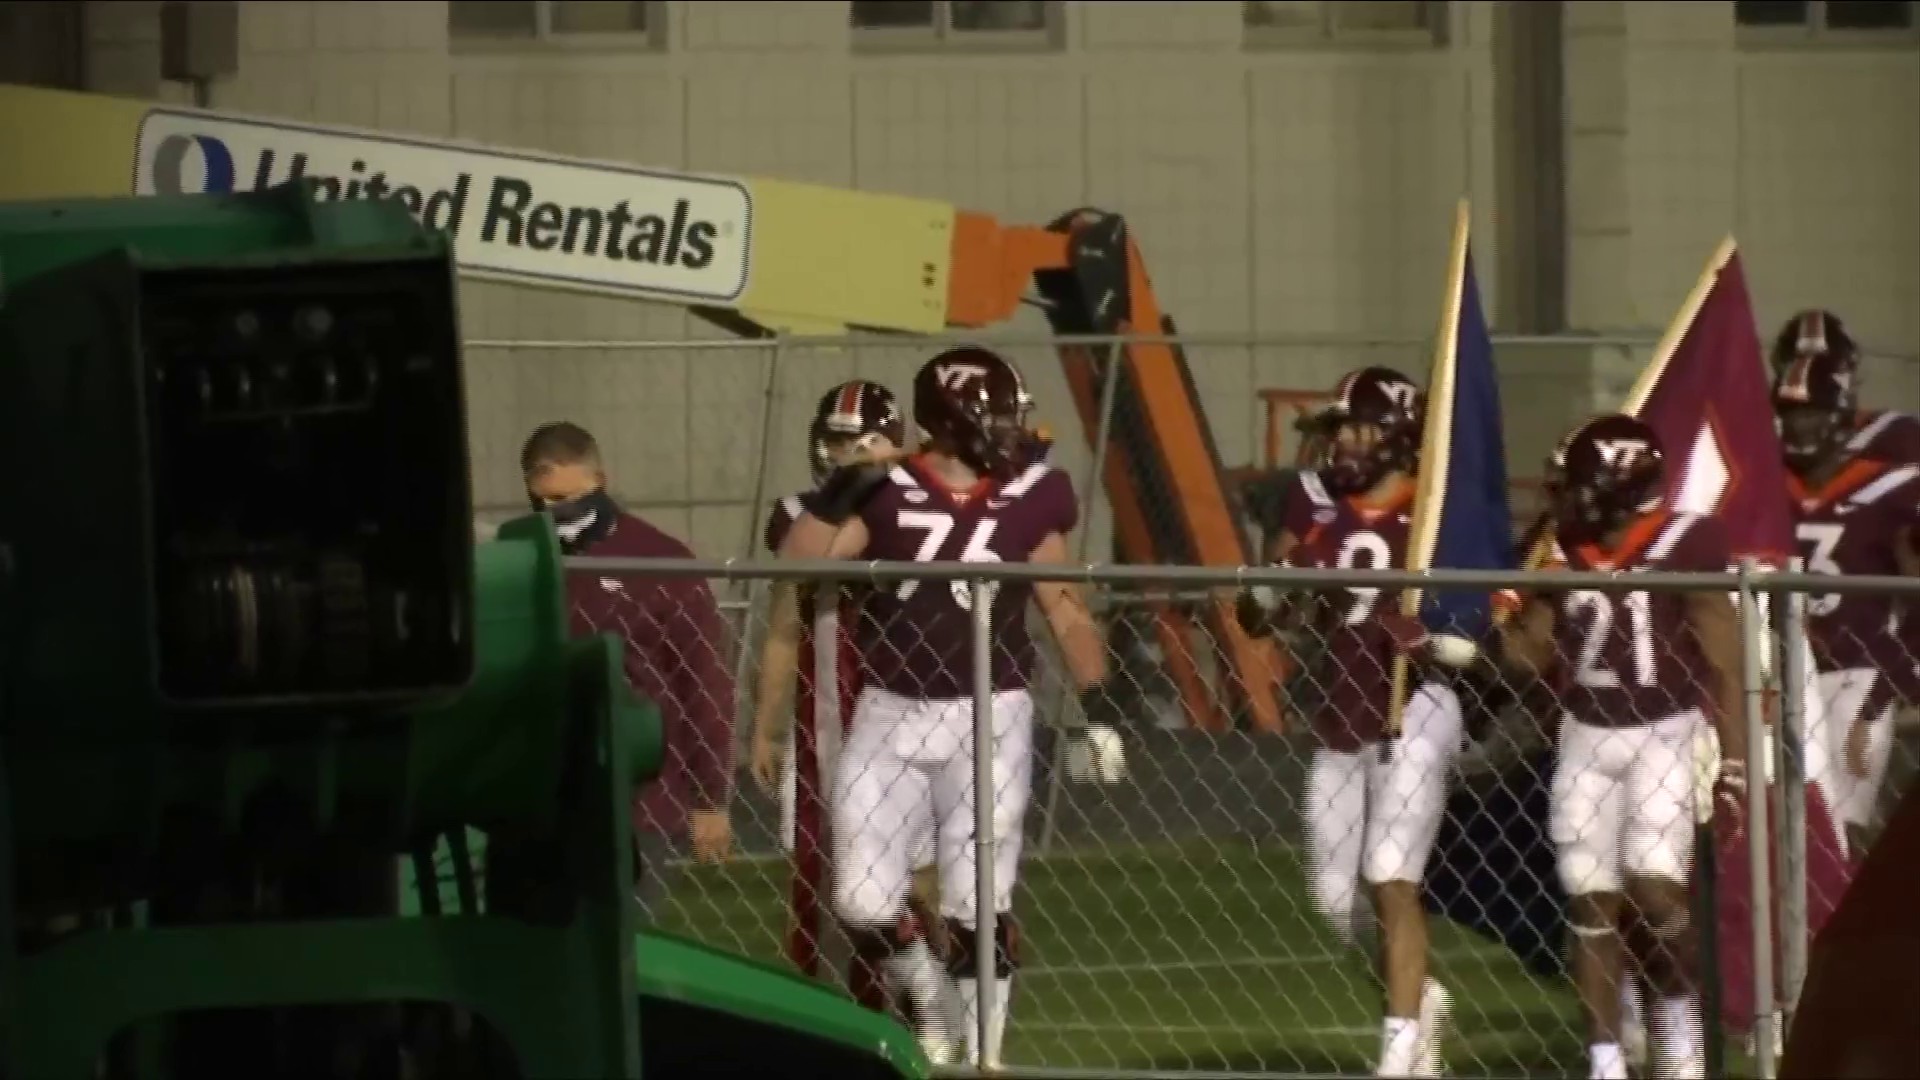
1338,1031
760,858
1225,962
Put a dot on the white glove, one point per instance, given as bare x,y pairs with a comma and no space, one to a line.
1452,650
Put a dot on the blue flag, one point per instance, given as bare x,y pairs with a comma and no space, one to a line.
1461,520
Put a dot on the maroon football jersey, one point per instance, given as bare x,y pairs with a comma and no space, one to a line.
1888,436
1852,525
1629,659
916,638
1356,669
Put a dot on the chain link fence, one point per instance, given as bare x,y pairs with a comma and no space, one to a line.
1199,901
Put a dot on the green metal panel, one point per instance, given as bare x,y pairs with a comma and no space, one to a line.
287,221
526,744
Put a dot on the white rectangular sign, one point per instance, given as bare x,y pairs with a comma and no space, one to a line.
525,217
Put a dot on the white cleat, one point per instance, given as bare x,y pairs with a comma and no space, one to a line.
1436,1011
1634,1045
1779,1039
940,1049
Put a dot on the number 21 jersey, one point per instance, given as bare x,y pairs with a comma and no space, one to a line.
916,637
1630,659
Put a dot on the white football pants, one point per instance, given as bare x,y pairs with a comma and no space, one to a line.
790,802
906,769
1849,697
1623,803
1374,815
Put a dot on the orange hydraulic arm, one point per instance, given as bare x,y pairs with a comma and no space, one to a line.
1162,474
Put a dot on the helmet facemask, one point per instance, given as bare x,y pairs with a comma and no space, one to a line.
1809,435
996,442
1586,511
832,449
1355,458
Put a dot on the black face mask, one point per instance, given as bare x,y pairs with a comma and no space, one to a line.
581,522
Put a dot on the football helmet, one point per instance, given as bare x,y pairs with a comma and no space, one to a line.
1814,332
1606,472
1376,396
854,411
972,403
1813,407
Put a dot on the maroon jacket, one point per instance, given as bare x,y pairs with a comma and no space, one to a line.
675,639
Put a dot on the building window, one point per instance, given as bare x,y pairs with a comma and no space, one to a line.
589,23
1843,21
1344,22
987,24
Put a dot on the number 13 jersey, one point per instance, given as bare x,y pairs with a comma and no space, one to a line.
916,637
1629,659
1853,524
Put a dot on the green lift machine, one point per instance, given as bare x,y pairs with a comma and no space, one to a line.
254,670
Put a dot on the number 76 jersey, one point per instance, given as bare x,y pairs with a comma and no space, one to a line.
916,637
1630,658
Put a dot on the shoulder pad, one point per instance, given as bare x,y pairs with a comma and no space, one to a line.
1315,490
1026,481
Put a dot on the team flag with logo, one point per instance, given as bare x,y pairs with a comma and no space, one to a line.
1461,519
1706,393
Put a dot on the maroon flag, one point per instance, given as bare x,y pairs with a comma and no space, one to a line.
1706,393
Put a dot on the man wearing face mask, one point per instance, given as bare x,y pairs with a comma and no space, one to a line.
673,636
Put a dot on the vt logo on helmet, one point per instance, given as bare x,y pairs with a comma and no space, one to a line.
1369,430
1605,473
972,403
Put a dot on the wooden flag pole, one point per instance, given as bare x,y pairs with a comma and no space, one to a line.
1436,446
1677,330
1649,377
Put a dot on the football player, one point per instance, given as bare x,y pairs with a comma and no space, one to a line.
1886,435
855,421
1640,672
972,494
1374,797
1854,514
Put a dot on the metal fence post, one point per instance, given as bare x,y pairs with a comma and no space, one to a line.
749,590
769,401
1096,466
1759,845
1794,937
984,844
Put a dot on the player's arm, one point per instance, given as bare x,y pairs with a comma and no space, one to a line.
1905,552
779,663
1716,627
1713,616
1526,639
1274,610
1283,544
814,538
831,527
1082,646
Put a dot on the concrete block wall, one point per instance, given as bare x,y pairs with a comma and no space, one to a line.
1299,193
1681,130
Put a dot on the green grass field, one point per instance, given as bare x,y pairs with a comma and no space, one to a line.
1202,958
